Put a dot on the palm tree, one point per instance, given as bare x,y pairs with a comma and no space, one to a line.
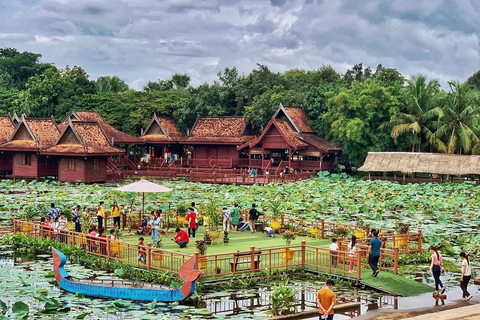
420,100
458,127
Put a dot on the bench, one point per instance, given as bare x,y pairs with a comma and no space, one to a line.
246,258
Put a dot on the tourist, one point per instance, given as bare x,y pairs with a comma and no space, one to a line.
227,218
235,217
76,219
326,299
253,216
287,170
55,225
466,275
352,253
93,233
53,213
254,175
192,222
116,212
196,215
112,234
100,214
333,252
142,252
245,226
370,235
436,268
103,243
181,238
62,226
374,253
269,232
154,226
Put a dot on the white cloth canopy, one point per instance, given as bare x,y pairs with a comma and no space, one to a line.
143,186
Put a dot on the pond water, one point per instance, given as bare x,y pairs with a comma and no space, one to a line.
23,279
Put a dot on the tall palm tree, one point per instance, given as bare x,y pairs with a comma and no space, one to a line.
420,101
458,127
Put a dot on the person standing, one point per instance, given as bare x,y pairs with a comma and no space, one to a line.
374,248
116,212
154,226
436,268
253,215
192,222
100,214
352,253
466,275
227,217
62,226
181,238
76,219
53,213
235,217
142,251
196,215
326,299
333,251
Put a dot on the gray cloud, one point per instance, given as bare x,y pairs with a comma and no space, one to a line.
142,40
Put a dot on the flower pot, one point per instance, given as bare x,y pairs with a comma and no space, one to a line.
116,248
208,242
180,220
202,263
401,242
360,234
226,240
70,225
26,228
287,253
314,231
276,224
157,256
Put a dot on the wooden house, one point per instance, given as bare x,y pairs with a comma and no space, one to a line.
7,128
82,150
30,137
213,141
162,138
288,140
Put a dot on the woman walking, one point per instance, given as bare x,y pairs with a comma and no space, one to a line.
352,253
466,275
436,268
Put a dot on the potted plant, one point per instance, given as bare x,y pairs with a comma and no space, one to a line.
214,217
207,238
201,247
287,253
341,232
225,237
182,209
314,230
360,229
402,229
116,247
157,256
276,207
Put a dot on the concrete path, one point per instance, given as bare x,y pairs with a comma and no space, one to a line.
469,312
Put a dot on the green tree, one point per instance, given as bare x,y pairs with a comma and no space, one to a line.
458,127
108,84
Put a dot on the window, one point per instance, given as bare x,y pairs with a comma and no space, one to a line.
26,159
71,164
95,164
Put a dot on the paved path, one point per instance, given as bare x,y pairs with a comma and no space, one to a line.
469,312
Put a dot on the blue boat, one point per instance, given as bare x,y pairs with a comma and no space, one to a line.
124,289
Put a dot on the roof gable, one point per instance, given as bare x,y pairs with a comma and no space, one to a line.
7,128
296,117
69,137
23,133
33,133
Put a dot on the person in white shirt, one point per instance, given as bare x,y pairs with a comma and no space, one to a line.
333,251
269,232
466,275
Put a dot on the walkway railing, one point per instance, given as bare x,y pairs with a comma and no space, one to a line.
217,265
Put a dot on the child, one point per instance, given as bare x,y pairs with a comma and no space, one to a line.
142,252
269,232
227,218
93,233
352,253
333,249
103,242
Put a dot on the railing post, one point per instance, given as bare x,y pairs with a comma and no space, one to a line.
359,264
149,256
281,221
15,225
304,243
109,248
252,259
367,229
323,228
395,259
73,233
419,241
195,255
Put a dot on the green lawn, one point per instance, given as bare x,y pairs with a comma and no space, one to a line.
395,283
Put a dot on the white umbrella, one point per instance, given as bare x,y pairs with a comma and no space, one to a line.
143,186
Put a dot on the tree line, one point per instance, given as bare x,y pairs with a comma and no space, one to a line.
361,110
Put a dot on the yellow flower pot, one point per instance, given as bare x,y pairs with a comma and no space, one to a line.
314,231
26,228
116,247
180,220
202,263
401,242
287,253
276,224
360,234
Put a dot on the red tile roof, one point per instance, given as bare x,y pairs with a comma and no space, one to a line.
299,118
222,130
7,128
162,130
33,133
319,142
289,135
112,133
83,138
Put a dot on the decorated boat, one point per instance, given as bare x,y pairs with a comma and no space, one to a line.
122,289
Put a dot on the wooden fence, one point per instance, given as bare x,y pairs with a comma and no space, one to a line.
217,265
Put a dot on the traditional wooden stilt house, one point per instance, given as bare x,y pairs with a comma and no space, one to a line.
288,140
162,140
213,141
7,128
82,151
30,137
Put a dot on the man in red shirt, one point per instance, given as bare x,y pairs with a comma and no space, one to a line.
192,222
181,238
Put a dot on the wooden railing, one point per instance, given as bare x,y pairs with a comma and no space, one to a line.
218,265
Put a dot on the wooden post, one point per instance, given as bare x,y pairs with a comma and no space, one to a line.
323,228
72,234
149,256
109,249
282,221
359,264
395,259
196,254
367,229
15,225
252,259
124,220
419,241
304,243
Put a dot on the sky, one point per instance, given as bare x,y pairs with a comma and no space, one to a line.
141,41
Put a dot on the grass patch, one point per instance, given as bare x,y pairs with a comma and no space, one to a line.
395,283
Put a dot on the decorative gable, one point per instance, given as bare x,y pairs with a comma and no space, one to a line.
69,137
154,129
22,133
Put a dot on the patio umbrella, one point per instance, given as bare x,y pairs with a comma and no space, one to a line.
143,186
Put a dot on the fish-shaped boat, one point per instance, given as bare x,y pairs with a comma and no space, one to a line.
121,289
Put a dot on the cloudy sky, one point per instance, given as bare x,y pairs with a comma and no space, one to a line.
141,40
